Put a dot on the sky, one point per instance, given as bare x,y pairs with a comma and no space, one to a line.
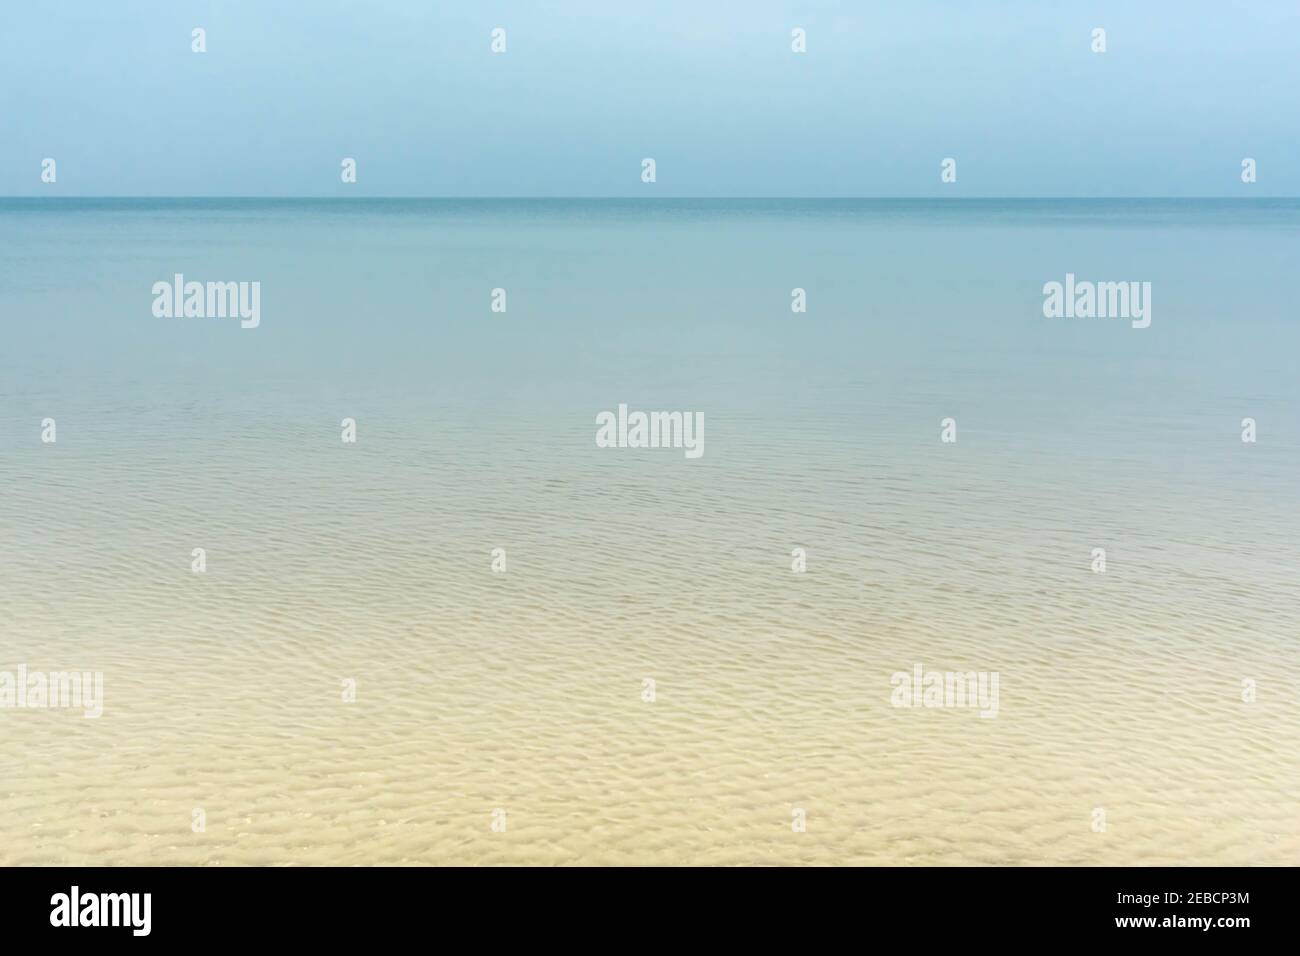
711,90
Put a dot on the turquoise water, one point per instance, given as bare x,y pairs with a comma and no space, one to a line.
917,310
822,431
622,288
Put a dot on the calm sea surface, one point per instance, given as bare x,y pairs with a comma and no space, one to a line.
524,691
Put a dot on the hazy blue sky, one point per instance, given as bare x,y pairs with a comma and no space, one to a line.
711,90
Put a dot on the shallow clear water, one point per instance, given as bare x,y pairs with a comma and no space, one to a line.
523,691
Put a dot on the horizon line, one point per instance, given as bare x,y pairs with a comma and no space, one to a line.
663,198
